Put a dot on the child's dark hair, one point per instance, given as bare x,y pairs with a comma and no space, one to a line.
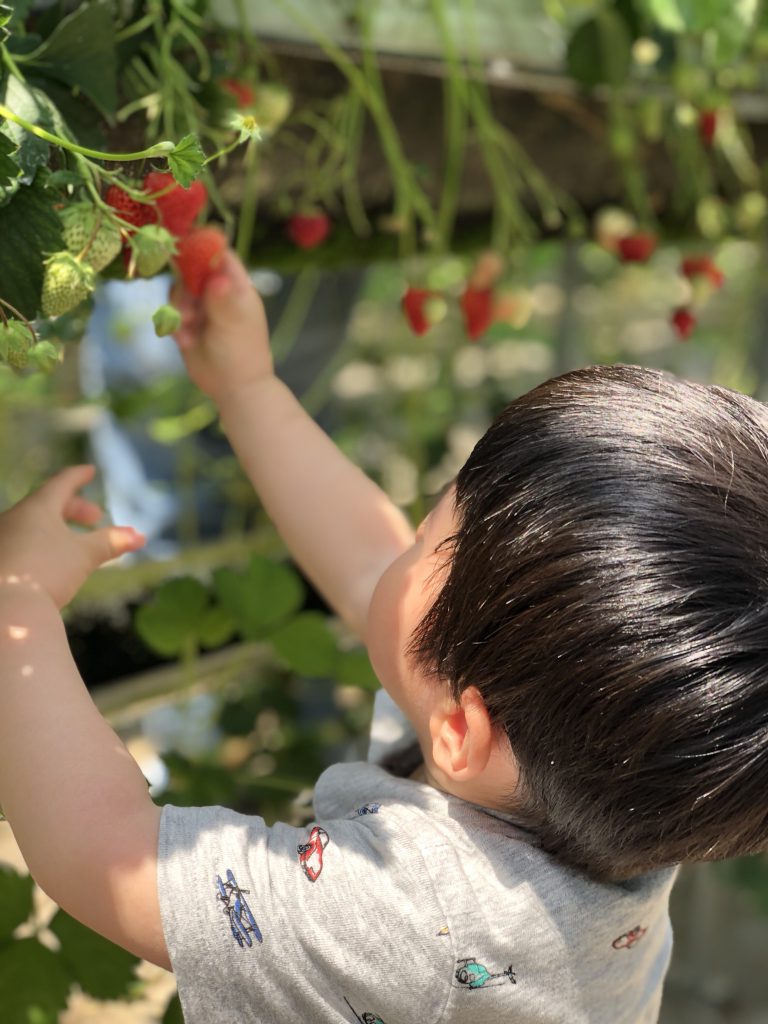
608,595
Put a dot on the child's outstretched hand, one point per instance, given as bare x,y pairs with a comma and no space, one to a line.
223,338
37,547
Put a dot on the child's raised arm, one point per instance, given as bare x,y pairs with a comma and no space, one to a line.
340,527
76,800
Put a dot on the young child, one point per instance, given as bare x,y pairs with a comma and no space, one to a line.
577,636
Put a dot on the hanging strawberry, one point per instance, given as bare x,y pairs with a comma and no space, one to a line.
694,267
308,230
477,307
242,91
130,209
88,233
66,282
177,209
149,251
637,248
684,323
422,308
708,127
199,253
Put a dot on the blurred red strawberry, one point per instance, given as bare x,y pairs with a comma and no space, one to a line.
708,127
198,255
477,307
308,230
242,91
703,266
179,208
684,323
637,248
421,307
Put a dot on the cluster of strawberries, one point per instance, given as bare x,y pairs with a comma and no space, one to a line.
163,229
700,270
480,303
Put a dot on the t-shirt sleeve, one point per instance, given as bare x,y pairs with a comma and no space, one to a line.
328,922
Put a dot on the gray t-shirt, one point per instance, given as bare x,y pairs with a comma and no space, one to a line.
399,904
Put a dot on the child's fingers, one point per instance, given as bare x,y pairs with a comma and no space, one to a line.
228,289
80,510
62,487
111,542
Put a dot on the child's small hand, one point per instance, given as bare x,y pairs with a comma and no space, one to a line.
37,547
223,338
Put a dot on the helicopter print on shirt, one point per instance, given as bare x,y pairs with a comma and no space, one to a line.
470,975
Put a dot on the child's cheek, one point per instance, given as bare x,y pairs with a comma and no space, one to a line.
390,623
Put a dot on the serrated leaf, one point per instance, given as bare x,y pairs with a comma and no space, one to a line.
34,983
15,900
307,645
354,668
102,969
30,230
186,160
9,169
171,619
81,52
259,598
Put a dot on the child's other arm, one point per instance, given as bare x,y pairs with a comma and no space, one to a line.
340,527
76,800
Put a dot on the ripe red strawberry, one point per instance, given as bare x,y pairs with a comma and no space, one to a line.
708,126
416,304
637,248
130,209
199,254
308,230
477,307
242,91
178,209
684,323
703,266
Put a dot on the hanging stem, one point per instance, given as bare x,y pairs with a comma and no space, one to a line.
160,149
247,218
455,107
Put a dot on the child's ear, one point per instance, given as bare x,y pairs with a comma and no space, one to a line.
462,736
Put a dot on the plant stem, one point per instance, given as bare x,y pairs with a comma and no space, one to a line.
10,63
248,208
160,149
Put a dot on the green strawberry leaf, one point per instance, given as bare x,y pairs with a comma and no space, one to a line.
29,229
216,627
173,1014
307,645
81,53
103,970
9,169
260,598
6,13
34,982
354,669
172,618
15,900
186,160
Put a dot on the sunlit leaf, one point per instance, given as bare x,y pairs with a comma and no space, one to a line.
172,618
34,983
102,969
259,598
15,900
186,159
307,645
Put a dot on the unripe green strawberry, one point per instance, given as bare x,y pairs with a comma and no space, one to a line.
89,234
16,339
66,282
151,249
44,356
166,319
